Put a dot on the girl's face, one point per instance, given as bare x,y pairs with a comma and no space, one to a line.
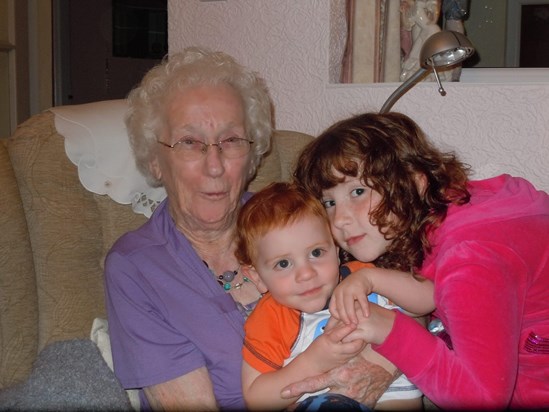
349,205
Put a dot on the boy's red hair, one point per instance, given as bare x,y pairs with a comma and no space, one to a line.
275,206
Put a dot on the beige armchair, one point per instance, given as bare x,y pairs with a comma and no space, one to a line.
54,235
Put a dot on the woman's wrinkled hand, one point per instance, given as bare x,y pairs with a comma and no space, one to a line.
358,379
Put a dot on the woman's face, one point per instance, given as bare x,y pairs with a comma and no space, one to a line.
203,193
349,205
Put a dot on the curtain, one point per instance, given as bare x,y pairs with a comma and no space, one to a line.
370,38
372,49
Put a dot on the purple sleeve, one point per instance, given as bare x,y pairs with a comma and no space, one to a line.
146,350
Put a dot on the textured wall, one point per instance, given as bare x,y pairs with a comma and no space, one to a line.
494,127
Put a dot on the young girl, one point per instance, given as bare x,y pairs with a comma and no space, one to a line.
394,199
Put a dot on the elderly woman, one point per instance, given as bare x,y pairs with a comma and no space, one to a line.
199,124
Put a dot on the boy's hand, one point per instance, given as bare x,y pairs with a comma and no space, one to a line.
330,350
355,288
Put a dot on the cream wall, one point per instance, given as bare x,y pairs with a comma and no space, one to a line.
495,127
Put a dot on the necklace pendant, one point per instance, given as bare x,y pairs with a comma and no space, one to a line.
228,275
226,278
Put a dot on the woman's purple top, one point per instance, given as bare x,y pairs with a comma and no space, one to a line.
168,315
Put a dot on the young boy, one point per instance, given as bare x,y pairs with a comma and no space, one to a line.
286,248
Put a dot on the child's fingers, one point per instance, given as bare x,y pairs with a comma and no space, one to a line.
333,308
337,308
354,336
349,307
338,332
364,305
352,346
332,323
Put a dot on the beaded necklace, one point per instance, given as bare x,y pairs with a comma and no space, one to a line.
227,277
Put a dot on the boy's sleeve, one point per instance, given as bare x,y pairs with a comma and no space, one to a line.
347,268
271,331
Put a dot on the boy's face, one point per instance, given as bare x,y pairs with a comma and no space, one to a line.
298,264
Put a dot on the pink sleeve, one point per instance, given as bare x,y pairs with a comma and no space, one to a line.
482,304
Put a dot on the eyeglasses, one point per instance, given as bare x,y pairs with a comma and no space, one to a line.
191,149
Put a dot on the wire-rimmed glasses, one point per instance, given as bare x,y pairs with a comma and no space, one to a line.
192,149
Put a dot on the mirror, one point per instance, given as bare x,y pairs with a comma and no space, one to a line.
512,33
505,34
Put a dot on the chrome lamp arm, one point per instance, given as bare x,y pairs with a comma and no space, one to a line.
403,88
442,49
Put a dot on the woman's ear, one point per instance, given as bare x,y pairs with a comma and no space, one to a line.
154,167
251,273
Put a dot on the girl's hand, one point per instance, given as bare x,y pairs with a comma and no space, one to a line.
355,288
376,327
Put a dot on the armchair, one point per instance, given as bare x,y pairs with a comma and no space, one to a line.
55,233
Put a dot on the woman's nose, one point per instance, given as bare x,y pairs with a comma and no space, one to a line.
214,161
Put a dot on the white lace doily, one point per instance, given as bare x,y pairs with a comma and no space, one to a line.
97,143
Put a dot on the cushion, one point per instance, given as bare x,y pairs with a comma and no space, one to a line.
100,336
97,143
68,375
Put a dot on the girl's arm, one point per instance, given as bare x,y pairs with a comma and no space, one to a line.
262,390
413,294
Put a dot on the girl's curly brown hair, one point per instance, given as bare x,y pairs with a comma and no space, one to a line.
389,152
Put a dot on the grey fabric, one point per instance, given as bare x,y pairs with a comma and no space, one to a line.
68,375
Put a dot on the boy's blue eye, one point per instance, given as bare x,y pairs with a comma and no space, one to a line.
316,252
328,203
283,264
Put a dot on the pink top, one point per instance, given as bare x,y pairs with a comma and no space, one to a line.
490,265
